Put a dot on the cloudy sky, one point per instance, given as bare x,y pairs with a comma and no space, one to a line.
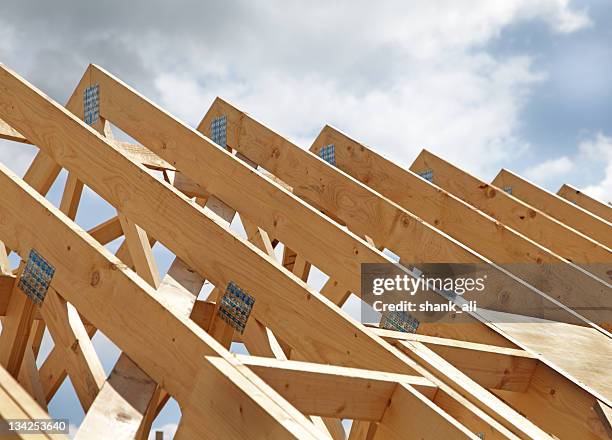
519,84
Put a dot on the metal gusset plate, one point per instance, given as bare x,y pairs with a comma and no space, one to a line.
218,131
36,277
91,104
235,306
427,175
328,154
399,321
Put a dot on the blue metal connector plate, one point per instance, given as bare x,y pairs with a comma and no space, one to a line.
36,277
427,175
235,306
328,154
91,104
218,131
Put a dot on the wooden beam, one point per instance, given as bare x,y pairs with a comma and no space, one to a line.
53,370
126,405
140,251
260,340
7,283
143,155
257,338
410,412
180,288
361,430
261,239
583,357
71,338
297,264
42,173
71,196
605,415
5,265
65,326
125,394
202,313
16,328
10,134
16,403
28,374
493,201
557,406
39,332
490,366
476,394
151,411
107,231
331,391
590,204
219,328
328,430
572,215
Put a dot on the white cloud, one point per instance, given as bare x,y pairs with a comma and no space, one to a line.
397,75
598,149
566,20
549,170
418,78
589,168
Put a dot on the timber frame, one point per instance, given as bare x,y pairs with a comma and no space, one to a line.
310,365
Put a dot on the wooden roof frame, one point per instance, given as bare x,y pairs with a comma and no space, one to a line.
426,384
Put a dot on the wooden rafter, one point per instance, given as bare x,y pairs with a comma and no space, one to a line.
579,198
555,206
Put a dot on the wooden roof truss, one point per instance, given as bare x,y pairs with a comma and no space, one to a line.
310,365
